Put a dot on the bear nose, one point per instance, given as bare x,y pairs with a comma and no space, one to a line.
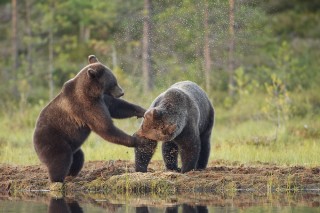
121,94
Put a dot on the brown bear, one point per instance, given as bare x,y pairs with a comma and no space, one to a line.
182,117
86,103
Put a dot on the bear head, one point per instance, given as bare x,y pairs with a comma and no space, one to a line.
100,80
156,125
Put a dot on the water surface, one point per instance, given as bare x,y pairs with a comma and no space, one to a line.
96,203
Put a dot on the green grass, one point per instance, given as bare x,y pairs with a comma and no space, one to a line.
240,134
298,154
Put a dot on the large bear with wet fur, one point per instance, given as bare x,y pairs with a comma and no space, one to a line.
182,117
86,103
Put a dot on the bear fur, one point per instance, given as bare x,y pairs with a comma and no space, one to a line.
182,117
86,103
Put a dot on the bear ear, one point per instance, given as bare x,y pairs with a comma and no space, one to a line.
148,114
153,114
92,73
156,114
92,59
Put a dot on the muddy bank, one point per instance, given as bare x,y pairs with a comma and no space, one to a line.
118,177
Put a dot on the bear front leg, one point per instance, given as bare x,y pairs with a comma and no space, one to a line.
170,155
99,120
189,151
143,153
120,108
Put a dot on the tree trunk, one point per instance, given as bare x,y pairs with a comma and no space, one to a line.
146,47
50,48
14,43
231,63
206,49
14,38
29,70
114,57
85,33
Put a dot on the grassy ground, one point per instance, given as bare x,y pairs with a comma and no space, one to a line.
246,141
240,134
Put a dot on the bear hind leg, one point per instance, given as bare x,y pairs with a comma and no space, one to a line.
77,163
170,155
205,146
204,151
59,164
190,151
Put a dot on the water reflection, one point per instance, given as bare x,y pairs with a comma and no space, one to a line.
67,205
193,203
185,209
60,205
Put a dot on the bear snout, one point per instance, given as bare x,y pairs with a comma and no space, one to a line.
117,92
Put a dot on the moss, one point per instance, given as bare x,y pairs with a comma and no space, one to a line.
57,186
98,184
139,183
25,185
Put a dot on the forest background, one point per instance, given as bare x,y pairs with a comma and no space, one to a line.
257,60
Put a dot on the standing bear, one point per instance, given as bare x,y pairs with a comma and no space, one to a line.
182,117
86,103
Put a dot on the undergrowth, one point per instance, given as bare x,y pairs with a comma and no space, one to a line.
242,133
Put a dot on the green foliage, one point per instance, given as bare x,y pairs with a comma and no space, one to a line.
245,85
277,51
277,107
95,27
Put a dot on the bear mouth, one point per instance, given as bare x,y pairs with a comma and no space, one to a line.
119,95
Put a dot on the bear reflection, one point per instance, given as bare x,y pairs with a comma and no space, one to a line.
185,209
61,206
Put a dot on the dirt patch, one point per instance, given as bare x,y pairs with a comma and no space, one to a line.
118,177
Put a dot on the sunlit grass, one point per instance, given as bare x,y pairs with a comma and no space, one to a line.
297,154
245,141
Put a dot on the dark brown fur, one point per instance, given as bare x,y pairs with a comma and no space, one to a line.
86,103
182,117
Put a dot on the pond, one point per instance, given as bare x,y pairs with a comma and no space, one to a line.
37,202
